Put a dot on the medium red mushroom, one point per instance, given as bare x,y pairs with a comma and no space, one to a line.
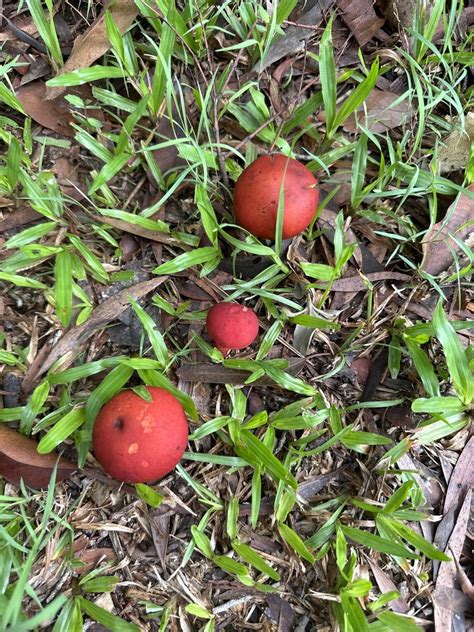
257,194
137,441
231,326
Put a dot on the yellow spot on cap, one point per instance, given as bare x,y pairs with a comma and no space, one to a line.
133,448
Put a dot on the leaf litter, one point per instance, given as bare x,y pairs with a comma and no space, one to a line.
385,292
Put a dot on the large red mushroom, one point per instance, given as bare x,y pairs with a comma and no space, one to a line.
257,194
137,441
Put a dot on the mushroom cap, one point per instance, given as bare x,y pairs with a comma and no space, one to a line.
137,441
231,326
257,193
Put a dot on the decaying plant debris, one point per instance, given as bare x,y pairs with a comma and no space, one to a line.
328,478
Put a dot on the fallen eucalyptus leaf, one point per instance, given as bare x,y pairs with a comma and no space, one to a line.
19,459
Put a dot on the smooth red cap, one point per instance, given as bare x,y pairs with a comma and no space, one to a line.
231,326
257,193
137,441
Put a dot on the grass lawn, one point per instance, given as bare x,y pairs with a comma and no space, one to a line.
327,480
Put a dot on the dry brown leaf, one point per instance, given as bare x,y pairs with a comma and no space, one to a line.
385,584
464,581
311,487
448,572
73,341
55,114
461,479
91,558
94,43
361,18
19,459
358,283
167,158
18,217
216,374
134,229
438,245
454,154
295,37
378,113
159,521
280,613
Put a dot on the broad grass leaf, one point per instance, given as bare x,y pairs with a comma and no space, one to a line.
398,622
456,359
441,405
187,260
377,543
266,458
62,430
416,540
254,559
295,542
437,429
109,620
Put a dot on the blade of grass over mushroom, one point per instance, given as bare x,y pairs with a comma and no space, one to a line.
154,378
110,386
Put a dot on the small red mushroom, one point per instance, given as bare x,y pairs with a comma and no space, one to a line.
231,326
257,193
137,441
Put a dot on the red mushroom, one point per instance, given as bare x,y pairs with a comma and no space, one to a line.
137,441
257,193
231,326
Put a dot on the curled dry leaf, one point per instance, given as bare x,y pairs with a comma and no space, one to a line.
19,459
94,42
361,18
439,247
378,113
